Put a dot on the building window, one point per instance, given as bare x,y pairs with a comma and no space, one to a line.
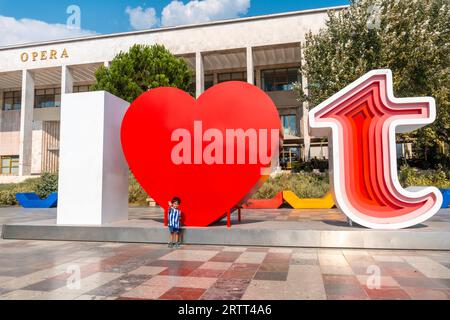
289,123
288,156
10,165
232,76
279,79
12,100
209,81
47,98
77,89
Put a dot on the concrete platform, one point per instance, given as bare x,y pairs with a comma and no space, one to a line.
282,227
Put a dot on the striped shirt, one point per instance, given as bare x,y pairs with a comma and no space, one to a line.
174,218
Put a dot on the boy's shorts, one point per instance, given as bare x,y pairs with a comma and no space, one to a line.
174,230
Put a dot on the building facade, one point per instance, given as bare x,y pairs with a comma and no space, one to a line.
264,50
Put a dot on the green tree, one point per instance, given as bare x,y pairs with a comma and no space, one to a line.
143,68
409,37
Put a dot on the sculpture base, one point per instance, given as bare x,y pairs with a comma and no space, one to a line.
257,229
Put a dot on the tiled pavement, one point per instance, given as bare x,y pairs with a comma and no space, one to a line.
48,270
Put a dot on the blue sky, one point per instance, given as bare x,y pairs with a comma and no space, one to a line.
111,16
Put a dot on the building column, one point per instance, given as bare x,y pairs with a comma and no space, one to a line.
66,80
199,74
26,123
304,125
250,66
258,79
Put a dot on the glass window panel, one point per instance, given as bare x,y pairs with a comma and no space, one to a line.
289,123
15,170
6,162
279,79
49,101
237,76
43,103
293,125
224,77
48,98
268,80
209,81
12,100
38,101
293,75
17,102
8,103
5,171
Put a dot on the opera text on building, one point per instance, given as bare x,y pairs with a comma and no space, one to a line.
264,50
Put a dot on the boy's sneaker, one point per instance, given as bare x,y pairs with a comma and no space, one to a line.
177,245
170,245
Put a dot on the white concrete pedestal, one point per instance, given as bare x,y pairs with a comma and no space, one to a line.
93,173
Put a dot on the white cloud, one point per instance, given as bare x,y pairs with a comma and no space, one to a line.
142,19
28,30
195,11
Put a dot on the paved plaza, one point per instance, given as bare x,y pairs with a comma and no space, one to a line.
32,269
46,269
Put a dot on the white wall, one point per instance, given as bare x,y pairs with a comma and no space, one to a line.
9,132
93,173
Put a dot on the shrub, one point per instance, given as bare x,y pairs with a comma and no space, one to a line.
303,184
8,191
309,166
136,194
47,184
414,177
8,197
311,185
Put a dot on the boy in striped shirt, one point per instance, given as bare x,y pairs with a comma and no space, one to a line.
174,222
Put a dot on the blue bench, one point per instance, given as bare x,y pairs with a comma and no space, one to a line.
446,198
32,200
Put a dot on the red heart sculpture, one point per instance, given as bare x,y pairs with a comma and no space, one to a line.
155,133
